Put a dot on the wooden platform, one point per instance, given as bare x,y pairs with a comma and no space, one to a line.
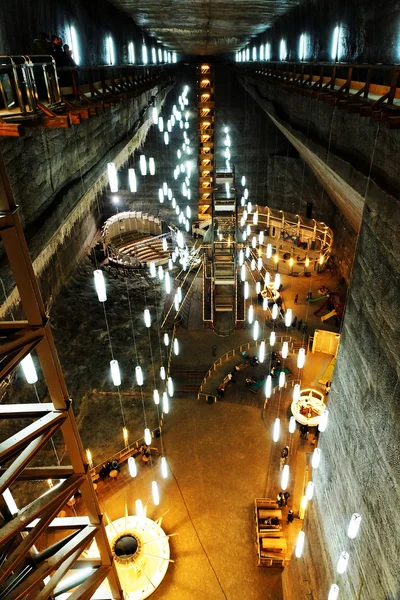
271,544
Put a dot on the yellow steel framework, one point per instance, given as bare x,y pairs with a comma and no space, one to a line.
205,106
27,573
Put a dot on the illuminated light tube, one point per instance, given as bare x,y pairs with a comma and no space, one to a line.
115,372
253,264
165,244
277,281
316,458
285,349
301,358
354,524
156,397
255,330
333,592
323,424
272,338
246,193
164,467
160,273
139,375
143,165
169,126
188,212
179,293
125,435
152,269
307,263
165,188
284,477
288,318
261,237
160,195
261,354
243,180
132,467
176,302
250,314
155,115
249,207
170,386
296,392
310,490
277,430
241,257
274,311
269,250
267,279
112,177
255,218
282,379
28,369
246,290
147,437
165,403
166,339
100,285
265,304
152,166
298,550
342,562
258,287
180,240
248,230
155,493
160,124
167,283
292,425
259,263
268,387
132,180
147,317
176,347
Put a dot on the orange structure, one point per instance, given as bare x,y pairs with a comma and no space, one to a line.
205,105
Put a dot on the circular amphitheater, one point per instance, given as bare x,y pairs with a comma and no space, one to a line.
134,239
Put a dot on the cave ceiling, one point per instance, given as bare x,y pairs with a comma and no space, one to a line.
202,27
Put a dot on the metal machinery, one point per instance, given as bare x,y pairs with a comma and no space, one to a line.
205,105
40,552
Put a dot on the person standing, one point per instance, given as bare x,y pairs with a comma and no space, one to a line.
290,517
286,496
296,298
214,350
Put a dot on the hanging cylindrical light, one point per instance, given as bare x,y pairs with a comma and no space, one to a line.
282,379
272,338
255,330
267,279
243,272
342,562
165,403
265,304
179,239
152,166
274,311
324,420
170,264
142,165
115,372
246,193
162,373
333,592
147,316
132,180
310,490
156,397
147,437
170,386
261,237
261,353
176,302
285,349
155,115
176,347
160,196
160,273
269,250
307,262
253,264
299,547
254,241
167,283
354,524
29,370
255,218
250,314
246,290
288,317
152,268
247,251
132,466
296,392
243,180
100,285
268,387
164,467
169,126
166,138
259,263
258,287
166,339
277,282
155,493
89,458
112,177
160,124
301,358
292,424
277,430
316,458
241,257
139,375
284,477
165,244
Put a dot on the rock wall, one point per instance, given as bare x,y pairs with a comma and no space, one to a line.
56,177
360,467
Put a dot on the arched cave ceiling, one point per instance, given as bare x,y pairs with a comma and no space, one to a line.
204,26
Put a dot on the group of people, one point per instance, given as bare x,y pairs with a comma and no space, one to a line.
54,47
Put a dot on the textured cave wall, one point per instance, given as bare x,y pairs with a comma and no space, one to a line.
360,468
56,176
370,30
22,20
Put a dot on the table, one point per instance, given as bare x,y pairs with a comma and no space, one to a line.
113,473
